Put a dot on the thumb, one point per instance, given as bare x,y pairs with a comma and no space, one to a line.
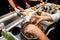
39,20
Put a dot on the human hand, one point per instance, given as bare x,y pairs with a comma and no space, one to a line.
38,19
16,10
35,19
27,6
35,30
42,4
41,0
21,9
31,29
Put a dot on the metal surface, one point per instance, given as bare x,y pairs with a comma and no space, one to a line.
8,17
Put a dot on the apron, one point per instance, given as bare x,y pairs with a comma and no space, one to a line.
33,3
21,3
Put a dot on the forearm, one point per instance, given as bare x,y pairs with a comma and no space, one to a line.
48,18
12,3
41,35
45,18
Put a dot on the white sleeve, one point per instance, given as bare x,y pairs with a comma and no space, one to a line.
55,17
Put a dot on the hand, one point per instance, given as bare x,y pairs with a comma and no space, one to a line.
35,19
21,9
32,29
27,6
40,18
17,10
42,4
41,0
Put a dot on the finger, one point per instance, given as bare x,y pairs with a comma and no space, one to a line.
41,0
38,21
28,32
32,19
34,15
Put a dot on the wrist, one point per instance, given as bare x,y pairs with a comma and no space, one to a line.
20,8
47,18
16,10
